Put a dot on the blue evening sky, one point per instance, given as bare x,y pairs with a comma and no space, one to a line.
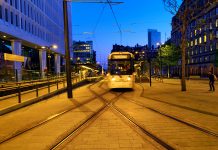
134,16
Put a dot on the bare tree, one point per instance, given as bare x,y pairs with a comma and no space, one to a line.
185,14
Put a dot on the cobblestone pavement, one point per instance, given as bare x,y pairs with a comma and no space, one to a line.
197,105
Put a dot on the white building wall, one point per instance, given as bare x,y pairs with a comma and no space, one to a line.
38,22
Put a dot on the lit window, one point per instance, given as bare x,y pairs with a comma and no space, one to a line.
191,43
195,32
211,36
196,41
200,40
205,38
216,22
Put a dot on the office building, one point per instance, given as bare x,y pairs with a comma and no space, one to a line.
202,38
83,52
28,25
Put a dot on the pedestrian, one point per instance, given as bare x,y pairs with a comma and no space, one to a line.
211,81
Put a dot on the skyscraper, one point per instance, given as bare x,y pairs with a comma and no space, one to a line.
154,37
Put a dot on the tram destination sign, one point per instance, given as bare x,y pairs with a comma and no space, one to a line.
121,56
12,57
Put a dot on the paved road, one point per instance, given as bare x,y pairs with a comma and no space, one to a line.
183,120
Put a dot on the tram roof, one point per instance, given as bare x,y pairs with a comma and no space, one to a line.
120,53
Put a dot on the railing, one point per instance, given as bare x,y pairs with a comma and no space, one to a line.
26,90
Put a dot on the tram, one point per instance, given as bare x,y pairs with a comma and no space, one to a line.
121,70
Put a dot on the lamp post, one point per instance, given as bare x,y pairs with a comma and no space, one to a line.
159,48
149,58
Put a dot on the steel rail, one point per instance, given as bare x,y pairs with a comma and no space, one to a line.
55,116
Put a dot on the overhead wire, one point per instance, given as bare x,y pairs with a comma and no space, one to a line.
109,3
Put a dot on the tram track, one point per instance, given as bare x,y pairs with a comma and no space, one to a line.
48,119
192,125
123,115
179,106
89,120
188,123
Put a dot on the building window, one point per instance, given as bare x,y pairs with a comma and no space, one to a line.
211,36
200,40
195,32
16,6
216,22
24,7
11,3
21,6
17,19
6,14
211,47
205,38
25,26
12,18
196,41
0,11
216,34
21,21
205,58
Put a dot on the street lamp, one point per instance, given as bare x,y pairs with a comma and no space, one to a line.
159,48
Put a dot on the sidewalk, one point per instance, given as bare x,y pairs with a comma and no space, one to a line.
196,96
11,103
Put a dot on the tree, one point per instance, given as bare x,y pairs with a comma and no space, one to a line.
184,14
170,55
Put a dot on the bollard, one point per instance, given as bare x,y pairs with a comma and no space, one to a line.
37,90
19,93
57,84
48,86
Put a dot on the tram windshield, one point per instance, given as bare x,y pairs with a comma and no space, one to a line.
120,67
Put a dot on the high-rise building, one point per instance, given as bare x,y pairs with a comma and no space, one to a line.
29,25
154,37
83,52
201,37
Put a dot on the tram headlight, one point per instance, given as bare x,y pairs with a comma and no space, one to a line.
128,78
113,79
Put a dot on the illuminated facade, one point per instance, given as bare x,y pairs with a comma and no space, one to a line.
83,52
33,24
202,37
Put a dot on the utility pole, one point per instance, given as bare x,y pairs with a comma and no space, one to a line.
67,51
